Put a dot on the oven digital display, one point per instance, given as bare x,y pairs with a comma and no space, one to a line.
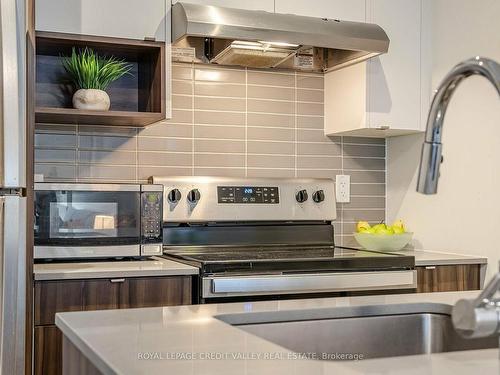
248,194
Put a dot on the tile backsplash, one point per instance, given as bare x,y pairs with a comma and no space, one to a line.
229,122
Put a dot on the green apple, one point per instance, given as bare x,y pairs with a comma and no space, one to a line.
362,225
385,231
397,230
399,225
367,230
380,226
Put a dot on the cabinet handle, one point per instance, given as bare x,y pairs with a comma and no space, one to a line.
430,267
117,280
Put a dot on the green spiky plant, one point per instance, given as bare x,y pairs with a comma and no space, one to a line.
87,70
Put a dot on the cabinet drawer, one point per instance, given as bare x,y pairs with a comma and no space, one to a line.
448,278
56,296
48,351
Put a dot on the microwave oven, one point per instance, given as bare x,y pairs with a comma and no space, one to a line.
77,220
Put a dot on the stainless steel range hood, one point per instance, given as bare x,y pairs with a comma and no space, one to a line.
258,39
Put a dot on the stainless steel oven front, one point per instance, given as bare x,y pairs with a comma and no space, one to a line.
76,220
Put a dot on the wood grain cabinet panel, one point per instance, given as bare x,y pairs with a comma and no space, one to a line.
56,296
101,294
155,291
448,278
48,350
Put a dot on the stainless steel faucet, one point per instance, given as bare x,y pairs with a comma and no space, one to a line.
481,316
431,150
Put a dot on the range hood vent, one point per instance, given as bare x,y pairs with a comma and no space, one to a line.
258,39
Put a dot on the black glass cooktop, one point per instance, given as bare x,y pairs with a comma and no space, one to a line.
286,259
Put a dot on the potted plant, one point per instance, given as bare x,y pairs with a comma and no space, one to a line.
91,75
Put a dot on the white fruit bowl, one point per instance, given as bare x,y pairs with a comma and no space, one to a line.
383,242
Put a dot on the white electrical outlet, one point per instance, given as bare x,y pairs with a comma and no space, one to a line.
343,188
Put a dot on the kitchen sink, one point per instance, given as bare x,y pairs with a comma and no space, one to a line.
369,331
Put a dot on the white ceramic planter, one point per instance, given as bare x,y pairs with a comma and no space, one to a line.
91,99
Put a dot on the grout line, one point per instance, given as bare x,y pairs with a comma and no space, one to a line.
246,122
296,147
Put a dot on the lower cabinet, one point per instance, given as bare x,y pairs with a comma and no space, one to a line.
448,278
56,296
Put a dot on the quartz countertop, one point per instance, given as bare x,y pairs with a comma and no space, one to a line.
154,266
437,258
193,340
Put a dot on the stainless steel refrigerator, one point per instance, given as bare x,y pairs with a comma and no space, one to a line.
12,186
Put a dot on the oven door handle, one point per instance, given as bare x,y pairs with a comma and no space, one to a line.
308,283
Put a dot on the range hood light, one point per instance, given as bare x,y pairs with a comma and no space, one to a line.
280,44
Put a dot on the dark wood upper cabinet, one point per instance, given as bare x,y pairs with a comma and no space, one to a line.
137,99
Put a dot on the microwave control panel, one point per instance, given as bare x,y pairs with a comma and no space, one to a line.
151,216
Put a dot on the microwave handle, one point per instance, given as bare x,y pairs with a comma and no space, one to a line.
13,93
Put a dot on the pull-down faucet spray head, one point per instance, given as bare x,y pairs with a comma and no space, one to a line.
431,156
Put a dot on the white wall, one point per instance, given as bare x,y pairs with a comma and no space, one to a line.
464,216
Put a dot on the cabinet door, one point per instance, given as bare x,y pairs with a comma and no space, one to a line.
394,78
47,351
156,291
115,18
56,296
448,278
352,10
267,5
102,294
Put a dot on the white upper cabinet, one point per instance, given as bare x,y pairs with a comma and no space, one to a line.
267,5
113,18
388,95
348,10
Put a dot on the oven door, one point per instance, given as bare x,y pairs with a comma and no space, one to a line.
261,285
87,220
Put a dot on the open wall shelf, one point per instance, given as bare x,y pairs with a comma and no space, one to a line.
136,100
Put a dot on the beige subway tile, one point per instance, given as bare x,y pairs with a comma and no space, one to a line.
55,155
332,149
270,106
219,89
107,157
165,144
366,202
364,164
55,128
163,129
219,104
106,173
275,120
313,135
213,145
181,116
318,162
364,151
182,102
363,140
270,92
305,95
55,140
280,173
368,189
182,87
271,134
215,74
56,172
318,173
219,118
219,160
271,79
367,177
106,142
311,122
144,172
164,159
366,215
310,82
182,72
261,147
271,161
112,131
315,109
219,132
220,172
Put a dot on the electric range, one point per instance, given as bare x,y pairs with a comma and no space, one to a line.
269,238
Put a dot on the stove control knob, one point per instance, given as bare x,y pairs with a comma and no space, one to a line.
319,196
194,196
174,196
301,196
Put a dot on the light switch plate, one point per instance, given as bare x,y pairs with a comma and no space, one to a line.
343,188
